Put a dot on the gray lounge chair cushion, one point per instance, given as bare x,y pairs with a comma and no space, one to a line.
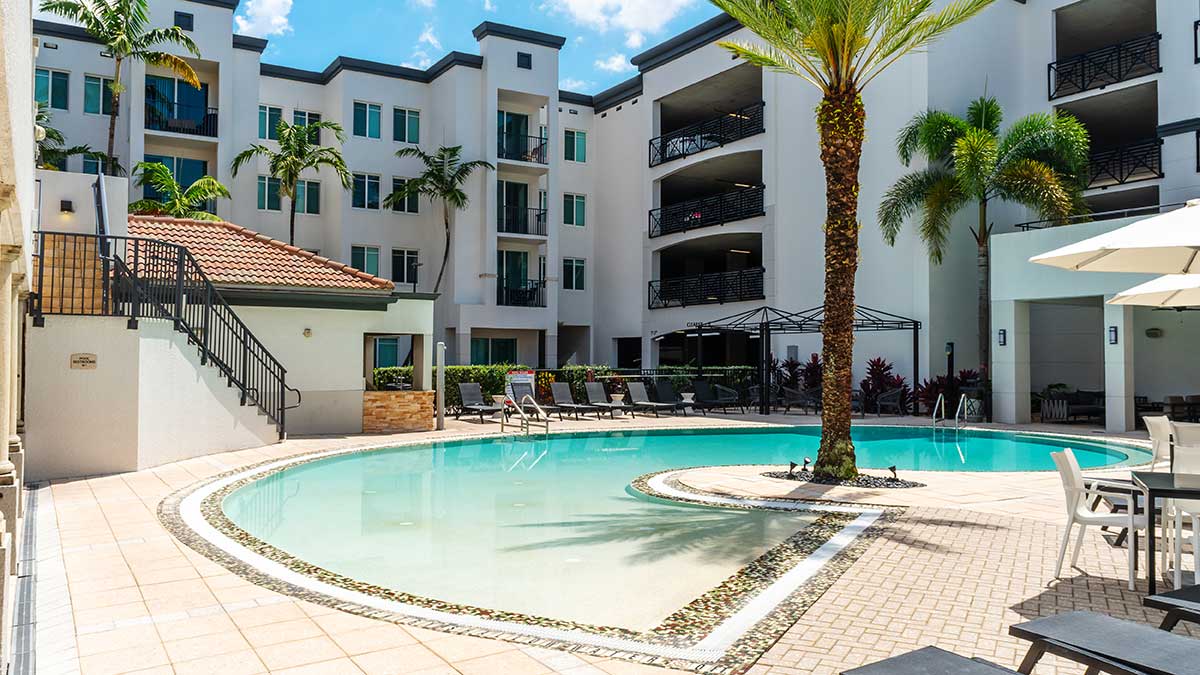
1137,645
930,661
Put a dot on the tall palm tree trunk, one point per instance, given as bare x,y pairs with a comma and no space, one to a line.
112,118
841,119
446,250
984,267
292,220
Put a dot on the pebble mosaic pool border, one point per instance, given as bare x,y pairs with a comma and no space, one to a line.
683,629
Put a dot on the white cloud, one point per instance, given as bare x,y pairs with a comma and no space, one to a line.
427,4
574,84
263,18
429,37
419,59
617,63
636,18
489,6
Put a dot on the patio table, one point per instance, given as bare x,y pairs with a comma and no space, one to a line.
1162,485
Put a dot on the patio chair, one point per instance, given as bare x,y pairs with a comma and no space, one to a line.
1160,440
563,400
1103,644
1185,458
804,399
599,398
755,397
521,390
667,394
1181,604
1076,489
474,403
930,661
891,400
640,400
1176,408
713,396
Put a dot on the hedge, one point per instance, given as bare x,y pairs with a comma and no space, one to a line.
490,378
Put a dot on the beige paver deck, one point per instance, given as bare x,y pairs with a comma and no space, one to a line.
972,554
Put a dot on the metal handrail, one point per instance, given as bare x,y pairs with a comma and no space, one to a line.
521,220
520,292
1098,68
526,423
522,148
180,118
718,209
1126,164
711,133
1098,215
939,403
961,410
707,289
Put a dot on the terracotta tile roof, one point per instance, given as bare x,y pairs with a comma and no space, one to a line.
230,254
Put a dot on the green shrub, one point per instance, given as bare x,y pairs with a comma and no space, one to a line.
490,378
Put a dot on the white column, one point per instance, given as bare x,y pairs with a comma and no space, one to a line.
423,362
1118,368
463,337
8,255
551,350
1010,362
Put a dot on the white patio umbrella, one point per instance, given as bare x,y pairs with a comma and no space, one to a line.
1167,243
1172,290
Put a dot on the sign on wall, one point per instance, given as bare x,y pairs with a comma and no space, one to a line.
83,361
521,376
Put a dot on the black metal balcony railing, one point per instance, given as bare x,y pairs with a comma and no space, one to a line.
1104,66
520,292
1126,164
516,220
522,148
1196,40
701,136
707,289
726,207
181,119
1098,216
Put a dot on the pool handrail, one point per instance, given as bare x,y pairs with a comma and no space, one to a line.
939,403
526,423
961,410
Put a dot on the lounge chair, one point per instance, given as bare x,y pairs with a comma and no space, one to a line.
893,400
930,661
1182,604
804,399
474,403
713,396
521,390
773,397
563,400
599,398
1107,645
640,400
667,394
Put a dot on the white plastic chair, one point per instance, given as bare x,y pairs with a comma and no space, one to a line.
1159,428
1077,490
1186,452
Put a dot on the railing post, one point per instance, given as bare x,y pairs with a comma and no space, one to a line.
207,321
179,265
245,363
135,305
282,406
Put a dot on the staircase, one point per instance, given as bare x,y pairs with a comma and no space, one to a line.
99,274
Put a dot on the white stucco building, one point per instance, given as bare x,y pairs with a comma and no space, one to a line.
689,192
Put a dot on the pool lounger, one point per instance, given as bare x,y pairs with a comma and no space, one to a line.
564,400
1180,605
640,400
1107,645
597,397
930,661
472,401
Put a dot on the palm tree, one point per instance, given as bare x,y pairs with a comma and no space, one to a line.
1040,162
122,26
177,201
298,152
839,46
51,150
442,179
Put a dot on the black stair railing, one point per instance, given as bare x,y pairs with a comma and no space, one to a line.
707,289
711,133
1126,164
718,209
1104,66
136,278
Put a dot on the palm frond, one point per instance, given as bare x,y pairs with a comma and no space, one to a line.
904,33
147,207
1036,185
173,35
173,63
932,133
975,161
985,113
243,157
204,189
942,201
905,197
159,177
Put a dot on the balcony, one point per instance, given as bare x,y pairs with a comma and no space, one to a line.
520,292
178,118
514,220
530,149
1098,68
712,133
707,289
1126,164
727,207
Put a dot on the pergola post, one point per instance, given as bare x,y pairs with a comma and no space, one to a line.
700,352
764,369
916,359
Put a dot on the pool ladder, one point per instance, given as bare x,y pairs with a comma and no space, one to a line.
540,420
959,412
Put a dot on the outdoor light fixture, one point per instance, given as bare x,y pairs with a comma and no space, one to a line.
66,206
739,250
1112,335
1002,337
806,463
792,470
892,468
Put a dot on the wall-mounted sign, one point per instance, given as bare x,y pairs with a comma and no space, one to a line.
83,362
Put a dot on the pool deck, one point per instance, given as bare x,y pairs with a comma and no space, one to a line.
971,554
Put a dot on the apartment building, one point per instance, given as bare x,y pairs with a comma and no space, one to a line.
691,191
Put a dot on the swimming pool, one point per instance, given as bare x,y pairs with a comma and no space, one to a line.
548,530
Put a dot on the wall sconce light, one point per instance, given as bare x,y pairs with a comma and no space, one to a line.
307,332
1112,335
1002,337
66,206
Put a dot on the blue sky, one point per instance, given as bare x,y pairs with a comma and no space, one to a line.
601,34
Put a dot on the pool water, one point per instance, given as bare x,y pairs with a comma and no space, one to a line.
550,527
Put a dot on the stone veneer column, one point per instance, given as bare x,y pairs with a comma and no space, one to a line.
16,449
9,489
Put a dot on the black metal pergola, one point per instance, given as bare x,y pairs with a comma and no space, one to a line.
764,322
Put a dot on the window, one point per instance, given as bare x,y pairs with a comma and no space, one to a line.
185,20
573,277
410,204
97,95
268,121
187,171
525,60
574,209
366,120
387,352
488,351
365,258
304,118
308,197
406,125
575,145
366,191
95,166
50,87
404,266
59,163
268,194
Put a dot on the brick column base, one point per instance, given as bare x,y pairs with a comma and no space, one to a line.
390,412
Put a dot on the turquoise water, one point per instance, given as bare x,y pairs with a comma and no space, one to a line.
549,527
